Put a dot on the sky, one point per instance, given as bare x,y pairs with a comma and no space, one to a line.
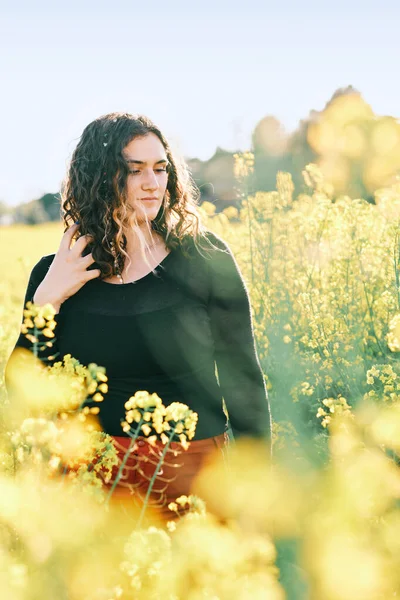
204,72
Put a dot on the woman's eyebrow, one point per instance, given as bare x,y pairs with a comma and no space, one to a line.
141,162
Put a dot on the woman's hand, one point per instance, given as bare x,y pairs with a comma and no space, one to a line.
67,273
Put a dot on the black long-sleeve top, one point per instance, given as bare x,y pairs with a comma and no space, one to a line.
164,333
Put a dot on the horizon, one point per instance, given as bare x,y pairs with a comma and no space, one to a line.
224,70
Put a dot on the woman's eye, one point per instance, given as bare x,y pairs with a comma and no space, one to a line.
158,171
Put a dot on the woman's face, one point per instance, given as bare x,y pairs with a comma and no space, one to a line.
148,176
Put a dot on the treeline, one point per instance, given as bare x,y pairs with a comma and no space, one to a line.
357,151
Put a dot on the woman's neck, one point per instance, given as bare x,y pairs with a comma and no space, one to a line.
153,240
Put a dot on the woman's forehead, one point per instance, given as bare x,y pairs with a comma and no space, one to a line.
149,144
144,150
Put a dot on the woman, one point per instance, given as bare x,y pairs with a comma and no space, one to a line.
150,294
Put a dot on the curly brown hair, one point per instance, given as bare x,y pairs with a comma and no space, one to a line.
94,191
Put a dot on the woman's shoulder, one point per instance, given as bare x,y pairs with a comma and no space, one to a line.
207,244
46,260
43,265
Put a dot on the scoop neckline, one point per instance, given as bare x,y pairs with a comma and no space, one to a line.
118,285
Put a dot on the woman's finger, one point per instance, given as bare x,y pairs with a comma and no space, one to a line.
81,244
66,239
92,274
87,260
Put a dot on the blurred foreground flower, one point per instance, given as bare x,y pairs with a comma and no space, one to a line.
201,559
347,550
37,389
264,498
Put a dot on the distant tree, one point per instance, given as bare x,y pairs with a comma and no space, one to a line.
6,213
357,151
215,178
30,213
45,208
270,148
301,153
52,205
5,209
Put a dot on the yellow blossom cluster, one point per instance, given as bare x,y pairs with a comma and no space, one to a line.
37,437
385,383
41,441
244,165
337,406
191,503
148,411
231,212
85,382
39,320
314,178
54,391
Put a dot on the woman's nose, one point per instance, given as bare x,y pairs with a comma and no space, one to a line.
150,181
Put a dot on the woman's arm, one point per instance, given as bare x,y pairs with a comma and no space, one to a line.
239,371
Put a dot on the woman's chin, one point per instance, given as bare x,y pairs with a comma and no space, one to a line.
143,212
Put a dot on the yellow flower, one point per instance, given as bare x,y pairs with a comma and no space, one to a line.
48,311
48,332
183,441
182,500
91,388
133,415
208,208
146,429
39,321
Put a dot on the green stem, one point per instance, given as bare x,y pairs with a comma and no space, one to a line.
157,470
250,237
124,460
35,344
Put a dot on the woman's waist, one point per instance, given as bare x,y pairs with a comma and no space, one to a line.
135,378
142,445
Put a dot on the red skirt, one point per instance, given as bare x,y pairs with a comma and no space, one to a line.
175,478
